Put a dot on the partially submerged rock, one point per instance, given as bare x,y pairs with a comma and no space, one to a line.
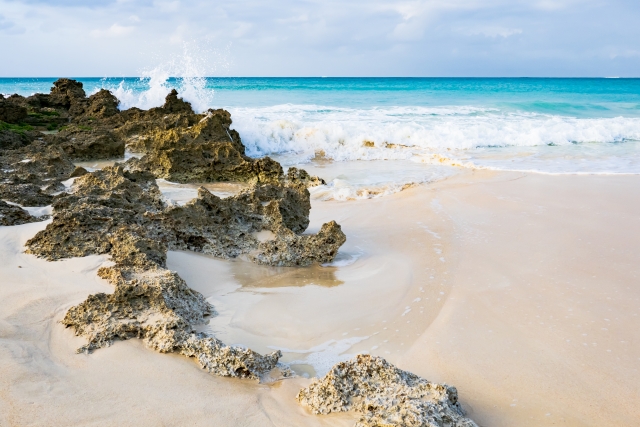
302,176
384,395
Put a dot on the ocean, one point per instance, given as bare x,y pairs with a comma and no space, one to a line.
408,130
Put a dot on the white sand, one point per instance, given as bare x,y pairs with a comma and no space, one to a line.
485,281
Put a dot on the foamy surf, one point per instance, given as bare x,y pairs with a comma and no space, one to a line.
353,180
400,132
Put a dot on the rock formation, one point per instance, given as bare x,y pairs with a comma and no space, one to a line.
119,211
205,152
384,395
154,304
14,215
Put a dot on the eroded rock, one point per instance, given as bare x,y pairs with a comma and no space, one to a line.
154,304
11,112
384,395
302,176
100,203
25,194
81,142
36,163
227,227
119,211
204,152
14,215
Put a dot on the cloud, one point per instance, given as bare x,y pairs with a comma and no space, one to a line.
495,32
9,27
329,37
167,6
116,30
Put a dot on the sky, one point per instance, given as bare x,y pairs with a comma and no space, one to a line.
572,38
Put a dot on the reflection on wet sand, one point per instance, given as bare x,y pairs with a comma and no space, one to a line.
250,275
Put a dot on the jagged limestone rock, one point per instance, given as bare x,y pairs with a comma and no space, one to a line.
102,104
154,304
36,163
81,142
14,215
290,249
11,112
100,203
204,152
226,227
25,194
173,114
302,176
384,395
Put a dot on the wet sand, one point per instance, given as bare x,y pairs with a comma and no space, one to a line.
487,281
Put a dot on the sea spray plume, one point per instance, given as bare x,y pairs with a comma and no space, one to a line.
187,72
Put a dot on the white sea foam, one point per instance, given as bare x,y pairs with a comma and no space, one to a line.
402,132
187,73
368,180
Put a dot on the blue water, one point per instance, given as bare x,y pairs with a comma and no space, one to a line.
587,97
546,125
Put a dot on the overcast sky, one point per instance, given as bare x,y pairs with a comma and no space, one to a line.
322,37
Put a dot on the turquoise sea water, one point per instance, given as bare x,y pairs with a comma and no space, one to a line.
543,125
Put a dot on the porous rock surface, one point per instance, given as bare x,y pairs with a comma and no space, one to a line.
154,304
14,215
119,211
384,396
204,152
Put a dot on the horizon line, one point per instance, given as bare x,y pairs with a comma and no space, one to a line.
327,77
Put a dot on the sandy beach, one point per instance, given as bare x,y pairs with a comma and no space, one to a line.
519,289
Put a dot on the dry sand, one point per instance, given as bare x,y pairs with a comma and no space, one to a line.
519,289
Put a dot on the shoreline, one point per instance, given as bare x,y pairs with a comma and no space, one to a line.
531,223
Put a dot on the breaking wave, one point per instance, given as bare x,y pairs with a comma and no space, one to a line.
401,132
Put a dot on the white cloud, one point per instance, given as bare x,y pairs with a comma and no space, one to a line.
329,37
294,19
167,6
496,31
116,30
241,29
